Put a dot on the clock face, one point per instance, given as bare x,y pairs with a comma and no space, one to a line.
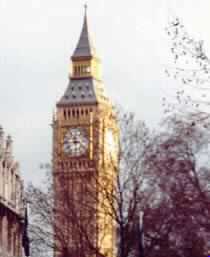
75,142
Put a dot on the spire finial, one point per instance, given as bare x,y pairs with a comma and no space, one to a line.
86,7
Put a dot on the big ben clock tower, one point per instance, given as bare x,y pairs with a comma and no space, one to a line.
85,139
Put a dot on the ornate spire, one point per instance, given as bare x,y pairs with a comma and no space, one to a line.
85,80
1,132
9,147
85,46
1,139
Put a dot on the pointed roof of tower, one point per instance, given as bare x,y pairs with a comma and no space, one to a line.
85,46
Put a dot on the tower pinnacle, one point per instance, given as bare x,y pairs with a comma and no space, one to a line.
86,7
85,84
85,48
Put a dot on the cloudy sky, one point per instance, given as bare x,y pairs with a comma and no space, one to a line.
37,38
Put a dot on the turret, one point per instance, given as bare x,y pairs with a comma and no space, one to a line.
9,148
1,140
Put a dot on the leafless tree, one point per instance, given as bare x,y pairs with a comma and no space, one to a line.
121,204
177,224
191,66
165,175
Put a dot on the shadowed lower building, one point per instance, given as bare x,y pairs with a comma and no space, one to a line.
85,136
11,201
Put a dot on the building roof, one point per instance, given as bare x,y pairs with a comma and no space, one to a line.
85,47
85,91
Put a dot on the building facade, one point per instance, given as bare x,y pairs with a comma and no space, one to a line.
11,201
85,136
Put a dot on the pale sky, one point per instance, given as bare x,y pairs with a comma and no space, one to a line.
37,38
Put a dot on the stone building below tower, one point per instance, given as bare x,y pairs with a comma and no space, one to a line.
11,201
